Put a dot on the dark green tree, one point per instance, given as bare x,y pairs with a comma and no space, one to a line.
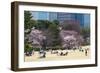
56,22
85,32
42,24
28,21
53,35
28,47
28,24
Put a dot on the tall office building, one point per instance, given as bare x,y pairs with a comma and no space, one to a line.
53,16
65,17
82,19
87,20
79,18
40,15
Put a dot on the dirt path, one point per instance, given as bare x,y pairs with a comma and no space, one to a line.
72,55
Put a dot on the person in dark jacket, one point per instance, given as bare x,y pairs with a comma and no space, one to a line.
43,53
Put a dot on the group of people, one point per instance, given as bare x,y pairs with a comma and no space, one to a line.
60,52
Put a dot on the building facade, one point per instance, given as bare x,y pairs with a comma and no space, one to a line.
83,19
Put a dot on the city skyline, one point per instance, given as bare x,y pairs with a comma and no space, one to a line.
83,19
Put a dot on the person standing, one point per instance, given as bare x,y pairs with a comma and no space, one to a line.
86,52
43,53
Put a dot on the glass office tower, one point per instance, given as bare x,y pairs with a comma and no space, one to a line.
83,19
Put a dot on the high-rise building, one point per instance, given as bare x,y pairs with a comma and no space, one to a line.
79,18
87,20
40,15
65,17
53,16
82,19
